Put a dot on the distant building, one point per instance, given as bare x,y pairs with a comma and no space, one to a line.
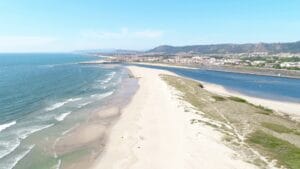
290,64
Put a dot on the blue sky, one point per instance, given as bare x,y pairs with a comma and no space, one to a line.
66,25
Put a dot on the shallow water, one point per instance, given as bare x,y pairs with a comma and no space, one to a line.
42,97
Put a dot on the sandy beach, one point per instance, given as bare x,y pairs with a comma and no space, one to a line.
291,109
154,131
286,108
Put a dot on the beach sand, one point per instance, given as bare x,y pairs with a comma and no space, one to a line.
155,132
286,108
291,109
79,146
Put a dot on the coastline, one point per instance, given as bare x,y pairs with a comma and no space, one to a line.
223,69
55,131
148,136
93,133
80,145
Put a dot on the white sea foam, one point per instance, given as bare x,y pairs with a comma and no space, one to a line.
110,76
103,95
45,117
74,99
56,105
53,146
104,87
25,132
60,104
69,130
13,161
83,104
117,82
7,147
7,125
62,116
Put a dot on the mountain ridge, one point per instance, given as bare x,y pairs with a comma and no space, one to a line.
228,48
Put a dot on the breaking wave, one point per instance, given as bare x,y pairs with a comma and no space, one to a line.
7,125
110,76
103,95
60,104
12,162
62,116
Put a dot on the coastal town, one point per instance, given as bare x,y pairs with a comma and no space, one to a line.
259,60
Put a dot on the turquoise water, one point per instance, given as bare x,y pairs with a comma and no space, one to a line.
41,91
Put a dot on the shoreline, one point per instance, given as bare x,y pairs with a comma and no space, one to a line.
79,147
218,69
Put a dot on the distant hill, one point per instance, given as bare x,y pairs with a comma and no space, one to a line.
293,47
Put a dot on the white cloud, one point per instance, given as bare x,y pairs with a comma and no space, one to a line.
124,33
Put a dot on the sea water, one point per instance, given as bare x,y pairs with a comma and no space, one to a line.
40,92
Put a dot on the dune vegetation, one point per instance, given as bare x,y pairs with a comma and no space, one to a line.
260,135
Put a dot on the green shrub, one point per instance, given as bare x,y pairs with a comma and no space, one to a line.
218,98
237,99
286,153
276,127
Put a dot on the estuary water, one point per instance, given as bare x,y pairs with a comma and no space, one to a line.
268,87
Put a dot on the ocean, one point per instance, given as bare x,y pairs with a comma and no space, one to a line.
42,94
268,87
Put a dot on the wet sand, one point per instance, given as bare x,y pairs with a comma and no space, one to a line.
87,140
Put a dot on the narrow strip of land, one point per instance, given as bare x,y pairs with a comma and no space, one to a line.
157,131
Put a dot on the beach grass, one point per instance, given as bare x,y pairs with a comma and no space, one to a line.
280,128
191,91
263,112
286,153
237,99
277,127
239,117
218,98
266,110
